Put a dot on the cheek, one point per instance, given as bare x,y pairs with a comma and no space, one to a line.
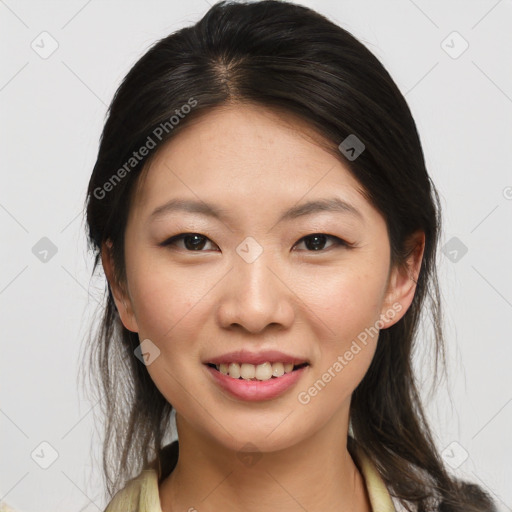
348,305
345,302
347,339
167,312
165,302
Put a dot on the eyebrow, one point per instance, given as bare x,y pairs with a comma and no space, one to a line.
333,204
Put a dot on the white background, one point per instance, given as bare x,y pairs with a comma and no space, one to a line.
52,112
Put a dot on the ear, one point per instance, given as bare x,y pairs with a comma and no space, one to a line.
121,296
402,282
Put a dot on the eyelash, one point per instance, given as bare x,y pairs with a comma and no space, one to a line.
338,241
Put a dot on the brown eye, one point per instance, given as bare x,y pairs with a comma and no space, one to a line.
316,241
192,242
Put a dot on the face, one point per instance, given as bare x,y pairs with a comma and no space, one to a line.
315,285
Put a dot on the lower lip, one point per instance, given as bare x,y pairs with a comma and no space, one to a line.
254,390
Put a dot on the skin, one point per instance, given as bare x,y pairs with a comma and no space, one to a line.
196,304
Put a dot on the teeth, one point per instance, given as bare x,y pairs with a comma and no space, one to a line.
234,370
277,369
248,371
264,371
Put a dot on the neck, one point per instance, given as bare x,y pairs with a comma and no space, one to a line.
317,475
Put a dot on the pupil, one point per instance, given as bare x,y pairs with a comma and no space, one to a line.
196,245
314,245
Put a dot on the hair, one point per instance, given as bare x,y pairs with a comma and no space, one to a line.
292,59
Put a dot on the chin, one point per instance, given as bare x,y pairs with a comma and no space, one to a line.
278,432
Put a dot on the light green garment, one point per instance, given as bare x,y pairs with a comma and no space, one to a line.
141,494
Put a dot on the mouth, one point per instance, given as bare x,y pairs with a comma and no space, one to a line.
261,372
260,382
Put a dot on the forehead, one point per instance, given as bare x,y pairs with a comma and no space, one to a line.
249,155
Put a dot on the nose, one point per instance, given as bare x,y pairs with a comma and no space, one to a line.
255,296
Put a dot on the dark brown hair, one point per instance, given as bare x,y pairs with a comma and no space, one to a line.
288,57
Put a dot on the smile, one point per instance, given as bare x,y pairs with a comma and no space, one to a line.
251,388
260,372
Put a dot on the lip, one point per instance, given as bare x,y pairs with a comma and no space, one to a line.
252,390
245,356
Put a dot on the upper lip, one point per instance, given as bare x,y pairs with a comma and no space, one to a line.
246,356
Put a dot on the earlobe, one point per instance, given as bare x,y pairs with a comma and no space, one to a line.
121,297
402,282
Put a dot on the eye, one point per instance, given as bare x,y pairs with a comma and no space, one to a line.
195,242
316,241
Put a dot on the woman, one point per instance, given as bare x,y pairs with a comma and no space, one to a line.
268,230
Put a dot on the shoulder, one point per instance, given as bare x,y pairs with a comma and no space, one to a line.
380,498
140,494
